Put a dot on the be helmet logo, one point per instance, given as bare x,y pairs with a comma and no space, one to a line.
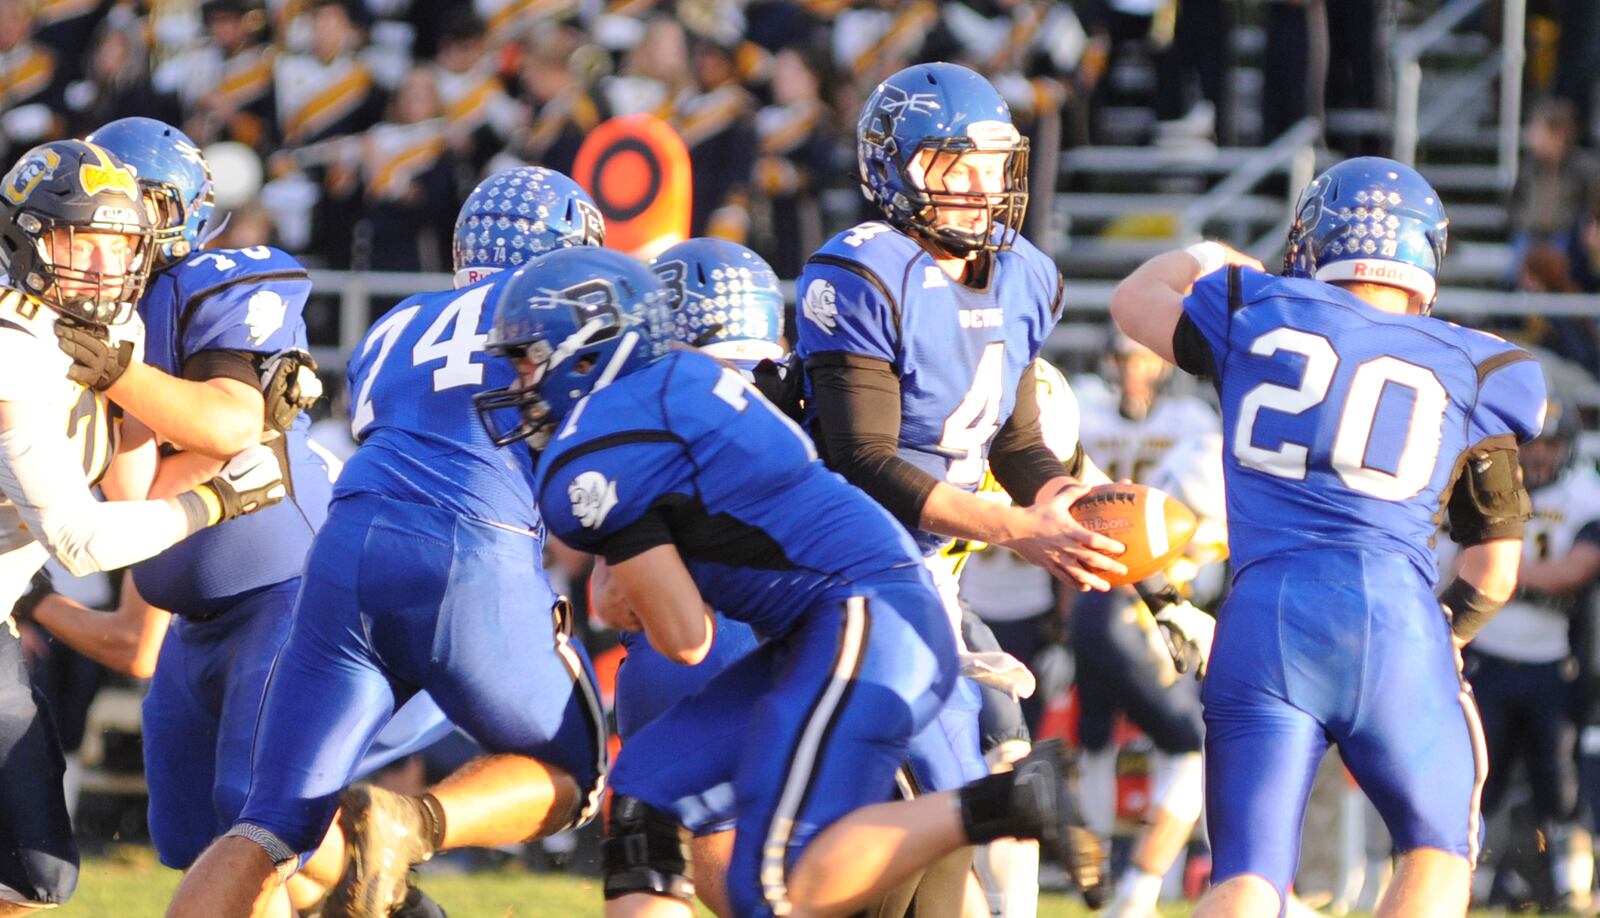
95,179
592,497
29,173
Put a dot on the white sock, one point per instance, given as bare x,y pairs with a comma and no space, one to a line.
1139,891
1008,869
1097,786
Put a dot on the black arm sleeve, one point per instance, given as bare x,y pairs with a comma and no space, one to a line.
222,364
638,537
1018,457
1488,500
1191,350
858,413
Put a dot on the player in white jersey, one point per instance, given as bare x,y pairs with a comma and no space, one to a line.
1129,429
1521,665
75,243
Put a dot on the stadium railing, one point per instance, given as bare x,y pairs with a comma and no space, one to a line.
1411,125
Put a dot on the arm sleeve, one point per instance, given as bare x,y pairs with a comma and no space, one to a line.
857,402
1019,458
222,364
649,531
1489,501
84,534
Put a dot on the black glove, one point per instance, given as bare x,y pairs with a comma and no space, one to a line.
289,385
251,480
97,363
38,589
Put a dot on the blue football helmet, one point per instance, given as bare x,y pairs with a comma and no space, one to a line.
584,317
1374,220
930,109
175,179
725,300
519,214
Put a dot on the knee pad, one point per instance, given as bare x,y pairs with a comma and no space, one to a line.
1177,786
644,852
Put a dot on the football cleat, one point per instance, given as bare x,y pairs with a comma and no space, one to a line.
1046,784
384,835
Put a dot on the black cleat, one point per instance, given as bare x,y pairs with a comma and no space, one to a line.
417,904
1046,783
384,836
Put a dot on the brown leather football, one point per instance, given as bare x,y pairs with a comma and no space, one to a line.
1153,525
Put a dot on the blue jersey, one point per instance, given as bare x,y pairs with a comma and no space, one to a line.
686,452
960,352
250,301
411,381
1345,426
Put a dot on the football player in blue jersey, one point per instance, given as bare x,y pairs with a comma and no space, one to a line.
214,321
699,494
917,332
725,300
75,245
426,575
1350,418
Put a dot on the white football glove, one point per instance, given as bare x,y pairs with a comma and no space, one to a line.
251,480
1188,632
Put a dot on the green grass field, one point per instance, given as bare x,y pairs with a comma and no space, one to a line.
130,884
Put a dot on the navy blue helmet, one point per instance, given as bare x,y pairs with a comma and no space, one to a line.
56,191
725,300
175,179
519,214
1374,220
912,130
583,317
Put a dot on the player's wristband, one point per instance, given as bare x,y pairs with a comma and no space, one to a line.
202,506
1469,608
1211,255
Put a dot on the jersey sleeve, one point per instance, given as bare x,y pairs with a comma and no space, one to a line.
246,306
600,501
1511,396
1207,311
844,307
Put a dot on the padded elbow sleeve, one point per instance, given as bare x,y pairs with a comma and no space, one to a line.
1489,501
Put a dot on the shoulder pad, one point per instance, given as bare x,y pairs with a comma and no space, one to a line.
211,267
874,244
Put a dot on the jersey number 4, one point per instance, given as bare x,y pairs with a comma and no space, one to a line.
1423,430
460,318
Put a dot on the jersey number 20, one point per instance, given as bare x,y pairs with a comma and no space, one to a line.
1289,460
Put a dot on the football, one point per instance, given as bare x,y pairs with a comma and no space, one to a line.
1153,525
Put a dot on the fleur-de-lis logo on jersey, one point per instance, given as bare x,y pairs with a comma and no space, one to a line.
821,306
592,497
